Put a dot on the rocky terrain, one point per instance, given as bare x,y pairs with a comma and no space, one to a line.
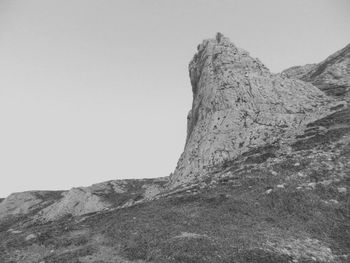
331,75
52,205
238,105
264,177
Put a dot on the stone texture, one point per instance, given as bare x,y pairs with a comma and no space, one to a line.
52,205
298,71
238,104
19,203
25,202
331,75
151,190
77,201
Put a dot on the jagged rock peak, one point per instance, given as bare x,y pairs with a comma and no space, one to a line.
239,105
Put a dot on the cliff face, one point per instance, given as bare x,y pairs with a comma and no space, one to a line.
239,105
331,75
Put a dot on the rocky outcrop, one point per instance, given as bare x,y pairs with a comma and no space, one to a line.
239,105
331,75
53,205
24,203
19,203
77,201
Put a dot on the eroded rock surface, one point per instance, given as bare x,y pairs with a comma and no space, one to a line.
239,105
53,205
77,201
24,203
102,196
331,75
19,203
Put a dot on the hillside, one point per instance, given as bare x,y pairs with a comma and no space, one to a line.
264,178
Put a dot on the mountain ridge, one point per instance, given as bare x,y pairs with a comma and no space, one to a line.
331,75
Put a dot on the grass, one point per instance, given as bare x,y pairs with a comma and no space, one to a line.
233,225
228,225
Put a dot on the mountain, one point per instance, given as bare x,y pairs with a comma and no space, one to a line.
331,75
238,105
264,178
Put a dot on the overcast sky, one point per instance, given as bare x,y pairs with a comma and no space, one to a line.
94,90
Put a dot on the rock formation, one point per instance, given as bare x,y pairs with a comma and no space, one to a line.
77,201
239,105
26,202
53,205
19,203
331,75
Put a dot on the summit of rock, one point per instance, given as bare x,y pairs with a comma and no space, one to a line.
238,105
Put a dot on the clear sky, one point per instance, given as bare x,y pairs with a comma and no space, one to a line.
94,90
